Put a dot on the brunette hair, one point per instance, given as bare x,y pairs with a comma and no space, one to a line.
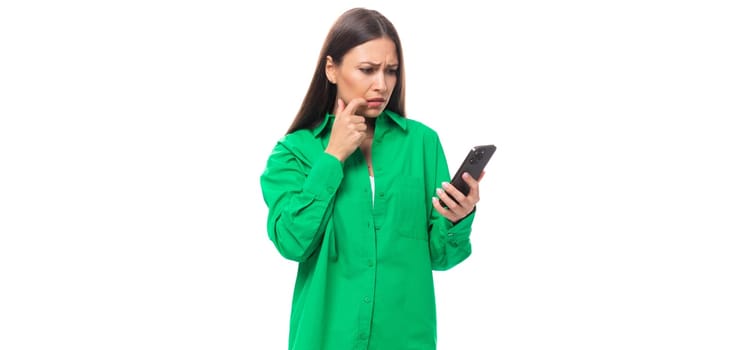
354,27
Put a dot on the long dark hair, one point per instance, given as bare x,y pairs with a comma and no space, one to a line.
352,28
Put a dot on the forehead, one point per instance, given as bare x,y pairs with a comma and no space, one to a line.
381,50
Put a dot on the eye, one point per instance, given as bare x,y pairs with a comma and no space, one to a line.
393,71
367,70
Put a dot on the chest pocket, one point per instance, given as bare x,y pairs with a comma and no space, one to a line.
410,203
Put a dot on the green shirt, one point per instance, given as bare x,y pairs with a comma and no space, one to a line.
366,258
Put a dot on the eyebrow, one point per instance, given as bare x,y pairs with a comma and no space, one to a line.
378,64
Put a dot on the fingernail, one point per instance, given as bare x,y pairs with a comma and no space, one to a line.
438,191
444,184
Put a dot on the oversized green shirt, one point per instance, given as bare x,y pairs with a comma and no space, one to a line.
366,258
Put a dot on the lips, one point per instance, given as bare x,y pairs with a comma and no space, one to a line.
375,102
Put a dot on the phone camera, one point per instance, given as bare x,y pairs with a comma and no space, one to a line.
475,158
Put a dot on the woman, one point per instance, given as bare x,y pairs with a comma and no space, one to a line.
366,249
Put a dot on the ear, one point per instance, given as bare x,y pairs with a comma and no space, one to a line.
330,70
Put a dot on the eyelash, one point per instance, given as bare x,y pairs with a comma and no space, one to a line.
371,70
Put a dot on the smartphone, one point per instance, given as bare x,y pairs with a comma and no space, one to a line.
474,163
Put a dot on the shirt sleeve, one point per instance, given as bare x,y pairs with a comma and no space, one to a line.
300,197
449,243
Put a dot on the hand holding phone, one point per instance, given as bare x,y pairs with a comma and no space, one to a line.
475,162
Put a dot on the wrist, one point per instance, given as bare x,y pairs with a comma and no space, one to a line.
336,155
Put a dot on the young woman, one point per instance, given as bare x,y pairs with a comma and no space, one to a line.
353,194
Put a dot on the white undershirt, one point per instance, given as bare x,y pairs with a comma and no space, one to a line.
372,188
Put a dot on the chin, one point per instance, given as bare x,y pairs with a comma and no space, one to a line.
373,113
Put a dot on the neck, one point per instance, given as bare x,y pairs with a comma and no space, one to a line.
370,122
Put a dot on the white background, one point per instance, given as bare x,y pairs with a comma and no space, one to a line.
615,214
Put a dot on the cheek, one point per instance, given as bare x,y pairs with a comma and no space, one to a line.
352,86
391,82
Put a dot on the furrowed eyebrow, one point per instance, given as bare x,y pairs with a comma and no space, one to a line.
378,64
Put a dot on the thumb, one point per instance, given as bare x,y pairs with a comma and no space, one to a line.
339,107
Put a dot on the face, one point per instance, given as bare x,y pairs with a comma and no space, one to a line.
368,71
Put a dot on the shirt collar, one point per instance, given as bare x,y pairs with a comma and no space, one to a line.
400,121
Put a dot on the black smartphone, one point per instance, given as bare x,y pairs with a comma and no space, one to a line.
474,163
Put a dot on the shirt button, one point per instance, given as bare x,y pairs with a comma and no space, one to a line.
366,300
370,263
378,227
363,336
380,194
330,189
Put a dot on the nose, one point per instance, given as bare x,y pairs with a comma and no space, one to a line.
379,84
